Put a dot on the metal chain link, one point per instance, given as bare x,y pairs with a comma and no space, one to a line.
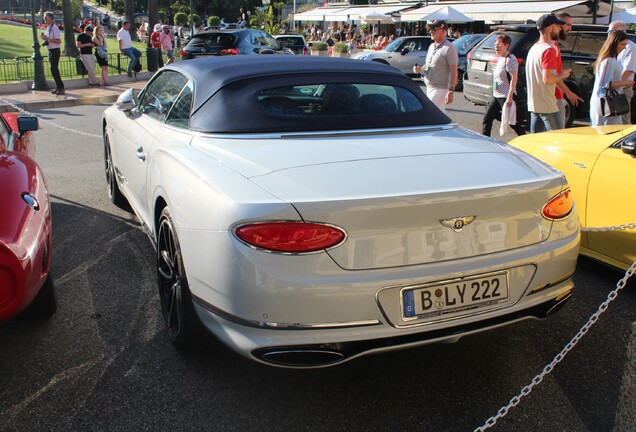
568,347
6,102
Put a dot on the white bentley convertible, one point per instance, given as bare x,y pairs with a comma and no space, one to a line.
308,210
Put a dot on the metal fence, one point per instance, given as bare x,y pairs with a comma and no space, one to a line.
21,68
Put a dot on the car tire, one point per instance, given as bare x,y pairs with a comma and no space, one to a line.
114,193
184,327
459,86
45,302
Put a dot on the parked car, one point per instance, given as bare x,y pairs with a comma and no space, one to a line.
578,51
464,44
598,163
403,53
309,210
296,43
25,225
231,42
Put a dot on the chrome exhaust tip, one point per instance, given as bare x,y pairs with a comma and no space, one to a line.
302,358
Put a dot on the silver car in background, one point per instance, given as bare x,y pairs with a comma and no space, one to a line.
403,53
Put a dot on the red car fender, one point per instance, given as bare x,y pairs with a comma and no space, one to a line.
25,232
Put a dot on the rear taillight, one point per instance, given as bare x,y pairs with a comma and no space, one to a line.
305,51
290,237
183,53
229,51
519,60
559,207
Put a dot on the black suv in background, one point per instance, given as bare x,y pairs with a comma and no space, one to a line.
231,42
579,52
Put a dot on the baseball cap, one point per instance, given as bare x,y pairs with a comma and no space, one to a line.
89,28
157,27
432,25
547,20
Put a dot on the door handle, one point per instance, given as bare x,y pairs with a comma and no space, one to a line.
582,63
140,154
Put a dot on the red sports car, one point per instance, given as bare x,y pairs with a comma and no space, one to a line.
25,223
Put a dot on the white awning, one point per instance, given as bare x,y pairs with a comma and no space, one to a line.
519,11
318,14
348,14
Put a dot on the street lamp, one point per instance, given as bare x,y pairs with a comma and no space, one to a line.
39,81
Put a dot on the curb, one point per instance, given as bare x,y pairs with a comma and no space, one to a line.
63,103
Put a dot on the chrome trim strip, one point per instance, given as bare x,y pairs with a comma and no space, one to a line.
281,326
329,134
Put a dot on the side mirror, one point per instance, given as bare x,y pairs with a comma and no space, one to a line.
629,146
27,123
127,101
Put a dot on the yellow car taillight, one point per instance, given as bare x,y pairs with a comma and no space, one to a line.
559,207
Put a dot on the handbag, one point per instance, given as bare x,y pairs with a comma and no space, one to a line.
101,51
614,103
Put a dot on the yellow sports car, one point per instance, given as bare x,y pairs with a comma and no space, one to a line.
600,165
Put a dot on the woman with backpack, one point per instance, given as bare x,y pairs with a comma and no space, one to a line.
505,75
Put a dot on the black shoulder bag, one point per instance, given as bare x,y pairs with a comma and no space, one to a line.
613,103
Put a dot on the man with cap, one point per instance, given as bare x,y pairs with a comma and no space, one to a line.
627,59
440,69
155,41
542,77
85,45
126,48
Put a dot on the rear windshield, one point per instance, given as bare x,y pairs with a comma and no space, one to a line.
488,44
290,40
465,43
212,40
338,99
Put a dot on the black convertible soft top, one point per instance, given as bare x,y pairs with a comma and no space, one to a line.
226,93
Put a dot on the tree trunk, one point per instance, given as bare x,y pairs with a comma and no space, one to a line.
130,16
153,16
70,47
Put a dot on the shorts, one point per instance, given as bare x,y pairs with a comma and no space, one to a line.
101,61
170,54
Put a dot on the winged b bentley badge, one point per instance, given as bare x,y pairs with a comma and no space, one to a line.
457,224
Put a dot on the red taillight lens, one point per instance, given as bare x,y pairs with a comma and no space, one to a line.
290,237
559,207
305,51
229,51
519,60
183,53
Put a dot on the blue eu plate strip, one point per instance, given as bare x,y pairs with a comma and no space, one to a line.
409,304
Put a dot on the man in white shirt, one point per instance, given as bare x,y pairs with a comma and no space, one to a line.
627,59
53,39
126,48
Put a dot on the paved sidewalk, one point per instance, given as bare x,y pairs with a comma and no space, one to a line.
34,100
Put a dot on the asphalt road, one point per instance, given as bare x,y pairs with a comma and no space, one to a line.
104,362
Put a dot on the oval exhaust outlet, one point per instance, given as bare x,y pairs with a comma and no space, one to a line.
303,358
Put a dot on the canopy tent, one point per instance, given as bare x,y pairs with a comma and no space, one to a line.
352,13
448,14
627,16
518,11
318,14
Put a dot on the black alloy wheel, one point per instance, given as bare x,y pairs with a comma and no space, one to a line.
183,325
115,195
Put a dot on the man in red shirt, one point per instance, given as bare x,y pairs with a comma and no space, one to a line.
155,41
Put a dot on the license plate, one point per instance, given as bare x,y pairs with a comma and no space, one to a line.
455,295
478,65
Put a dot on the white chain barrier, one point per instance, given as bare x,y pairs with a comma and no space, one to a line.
6,102
568,347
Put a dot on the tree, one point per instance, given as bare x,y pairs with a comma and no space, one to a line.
130,16
153,16
70,47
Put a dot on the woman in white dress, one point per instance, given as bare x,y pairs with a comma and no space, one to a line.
608,72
